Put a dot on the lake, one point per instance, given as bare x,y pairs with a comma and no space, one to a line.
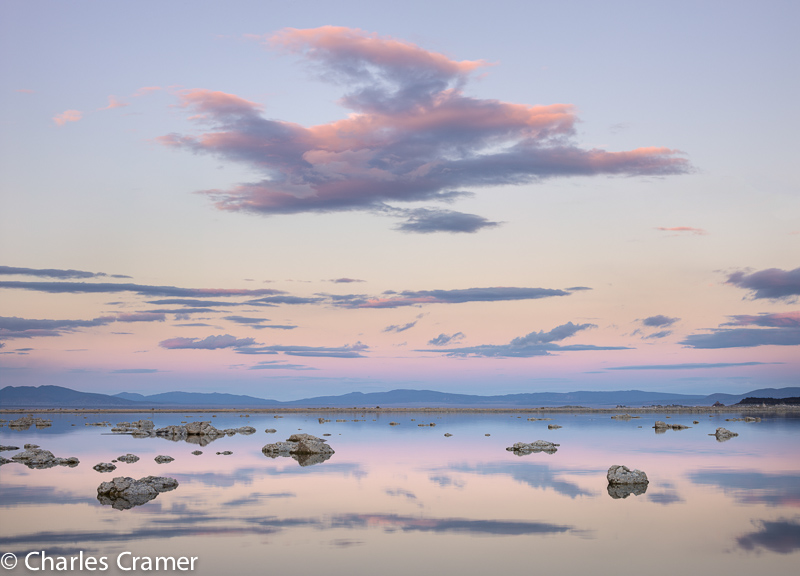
406,499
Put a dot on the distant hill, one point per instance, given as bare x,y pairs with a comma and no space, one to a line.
793,400
59,397
201,399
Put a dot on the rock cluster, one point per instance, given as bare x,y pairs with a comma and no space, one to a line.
304,448
35,457
745,419
723,434
139,429
26,422
270,430
622,475
662,427
123,493
522,449
5,448
105,467
538,419
624,417
553,426
161,459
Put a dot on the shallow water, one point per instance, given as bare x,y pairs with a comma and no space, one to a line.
406,499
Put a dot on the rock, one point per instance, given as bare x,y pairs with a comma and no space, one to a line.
246,430
225,453
123,493
522,449
270,430
723,434
662,427
197,452
128,458
538,419
624,417
5,461
7,448
36,458
304,448
553,426
30,446
623,475
447,434
25,422
695,422
617,491
104,467
326,434
163,459
394,423
487,434
323,420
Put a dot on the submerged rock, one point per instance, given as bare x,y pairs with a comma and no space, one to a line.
123,493
623,475
723,434
25,422
304,448
662,427
161,459
36,458
522,449
128,458
105,467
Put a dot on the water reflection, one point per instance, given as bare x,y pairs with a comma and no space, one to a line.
751,487
534,475
782,536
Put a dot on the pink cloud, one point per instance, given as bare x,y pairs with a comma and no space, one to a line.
67,116
146,90
25,91
697,231
413,134
113,102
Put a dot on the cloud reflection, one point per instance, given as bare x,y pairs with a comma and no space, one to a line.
782,536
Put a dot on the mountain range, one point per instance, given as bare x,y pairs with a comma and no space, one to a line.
60,397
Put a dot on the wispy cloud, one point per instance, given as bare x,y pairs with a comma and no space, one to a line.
777,320
391,299
772,283
691,366
445,339
534,344
114,102
278,365
207,343
745,338
54,273
136,371
400,328
67,116
413,136
15,327
347,351
683,230
659,321
142,289
345,280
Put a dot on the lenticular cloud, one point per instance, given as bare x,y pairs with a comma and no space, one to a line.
413,135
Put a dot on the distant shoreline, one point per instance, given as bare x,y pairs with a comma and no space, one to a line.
394,410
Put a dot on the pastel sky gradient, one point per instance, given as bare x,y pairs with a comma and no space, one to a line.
294,199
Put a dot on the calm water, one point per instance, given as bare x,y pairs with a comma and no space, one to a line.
408,500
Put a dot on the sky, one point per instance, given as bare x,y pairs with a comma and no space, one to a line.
298,198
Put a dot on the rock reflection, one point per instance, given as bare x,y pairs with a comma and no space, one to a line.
622,491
